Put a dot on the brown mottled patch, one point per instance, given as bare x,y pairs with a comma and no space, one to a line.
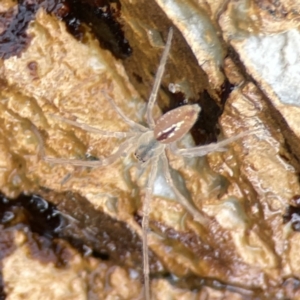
200,248
108,238
75,220
33,69
7,245
46,250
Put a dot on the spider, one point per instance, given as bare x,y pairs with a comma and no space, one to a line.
149,145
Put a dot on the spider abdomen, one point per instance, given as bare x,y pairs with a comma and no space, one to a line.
173,125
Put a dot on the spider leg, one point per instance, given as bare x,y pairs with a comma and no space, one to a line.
145,225
41,147
182,200
92,129
157,80
213,147
128,121
123,150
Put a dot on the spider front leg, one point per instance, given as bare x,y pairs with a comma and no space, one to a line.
157,80
128,121
145,224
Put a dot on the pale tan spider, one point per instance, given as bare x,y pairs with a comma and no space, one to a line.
149,146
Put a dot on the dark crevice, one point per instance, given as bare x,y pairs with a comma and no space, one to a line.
226,89
98,14
41,216
47,223
292,213
206,129
101,18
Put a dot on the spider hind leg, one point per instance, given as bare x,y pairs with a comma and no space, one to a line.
145,224
124,149
125,119
158,78
198,216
